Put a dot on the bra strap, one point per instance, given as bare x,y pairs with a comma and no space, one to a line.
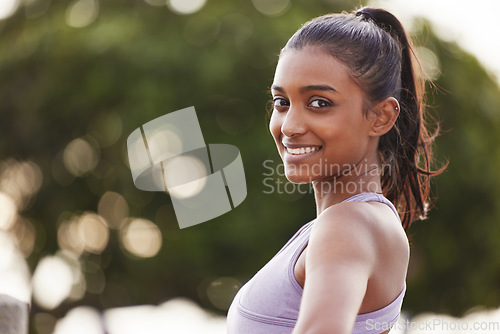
373,197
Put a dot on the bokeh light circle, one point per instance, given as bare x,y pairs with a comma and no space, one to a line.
8,8
8,211
80,157
114,208
185,7
52,282
94,232
430,63
271,7
81,13
141,237
185,168
221,291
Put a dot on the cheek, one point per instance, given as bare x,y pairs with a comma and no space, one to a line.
329,131
339,138
275,126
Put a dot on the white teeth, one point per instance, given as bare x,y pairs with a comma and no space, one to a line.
301,150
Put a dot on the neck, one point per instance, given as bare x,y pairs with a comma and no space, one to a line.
363,177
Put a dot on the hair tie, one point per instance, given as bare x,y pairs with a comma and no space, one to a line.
365,16
380,22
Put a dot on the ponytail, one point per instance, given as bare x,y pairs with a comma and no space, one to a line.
374,46
406,149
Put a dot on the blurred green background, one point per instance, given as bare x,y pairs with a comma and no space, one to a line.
78,77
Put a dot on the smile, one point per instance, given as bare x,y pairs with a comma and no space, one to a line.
301,150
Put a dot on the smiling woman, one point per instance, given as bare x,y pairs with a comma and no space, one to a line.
319,124
347,118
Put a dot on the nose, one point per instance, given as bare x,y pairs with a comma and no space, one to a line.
293,124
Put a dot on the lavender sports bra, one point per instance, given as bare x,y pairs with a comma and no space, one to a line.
269,302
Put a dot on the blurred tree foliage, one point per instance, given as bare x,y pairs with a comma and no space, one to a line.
137,62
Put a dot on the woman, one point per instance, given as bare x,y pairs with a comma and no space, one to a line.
348,117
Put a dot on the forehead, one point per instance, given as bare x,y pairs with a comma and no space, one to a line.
311,66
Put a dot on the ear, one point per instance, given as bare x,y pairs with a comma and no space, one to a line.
386,113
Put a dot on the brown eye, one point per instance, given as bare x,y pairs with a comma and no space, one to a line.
320,103
280,102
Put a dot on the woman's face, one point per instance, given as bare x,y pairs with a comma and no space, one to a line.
318,121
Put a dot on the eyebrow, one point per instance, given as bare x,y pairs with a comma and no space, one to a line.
306,89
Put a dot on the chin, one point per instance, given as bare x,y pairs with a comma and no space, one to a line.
299,173
298,178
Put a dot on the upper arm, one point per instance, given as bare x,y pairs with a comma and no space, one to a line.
340,258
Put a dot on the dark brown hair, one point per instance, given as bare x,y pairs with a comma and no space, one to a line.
374,46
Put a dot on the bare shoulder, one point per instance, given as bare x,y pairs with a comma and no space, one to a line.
370,222
368,230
